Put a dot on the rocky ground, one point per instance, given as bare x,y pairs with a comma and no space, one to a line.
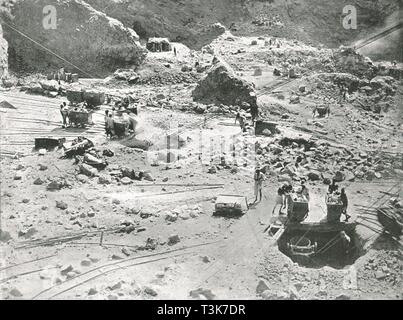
68,232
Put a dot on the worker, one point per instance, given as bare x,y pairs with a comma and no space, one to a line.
345,241
64,111
333,187
344,200
259,177
242,121
254,112
110,124
280,200
175,51
106,122
304,190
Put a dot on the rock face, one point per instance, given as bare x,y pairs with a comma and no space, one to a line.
82,34
3,55
222,85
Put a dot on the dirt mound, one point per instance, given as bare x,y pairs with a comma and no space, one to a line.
222,85
81,34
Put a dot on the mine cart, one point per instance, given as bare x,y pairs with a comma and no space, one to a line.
80,117
120,127
334,208
231,205
298,208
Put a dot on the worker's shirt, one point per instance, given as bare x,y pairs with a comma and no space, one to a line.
64,111
259,178
110,123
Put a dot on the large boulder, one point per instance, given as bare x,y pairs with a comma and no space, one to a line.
92,43
222,85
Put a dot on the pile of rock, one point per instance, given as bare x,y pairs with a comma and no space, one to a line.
223,86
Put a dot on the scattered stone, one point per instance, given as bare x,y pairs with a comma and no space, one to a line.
105,179
27,233
61,205
171,217
126,181
261,287
92,292
150,291
343,296
18,177
148,177
16,293
126,252
173,239
380,275
42,167
4,236
116,257
82,178
86,262
116,286
66,269
38,182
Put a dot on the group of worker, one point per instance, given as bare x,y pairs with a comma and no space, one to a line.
65,112
301,192
129,119
285,191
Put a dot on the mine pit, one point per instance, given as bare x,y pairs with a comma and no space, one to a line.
316,249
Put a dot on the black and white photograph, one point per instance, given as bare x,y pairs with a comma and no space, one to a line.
201,151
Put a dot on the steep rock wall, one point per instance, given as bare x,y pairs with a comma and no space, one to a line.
93,43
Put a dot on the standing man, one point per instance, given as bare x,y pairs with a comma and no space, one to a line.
344,200
64,111
259,177
280,200
242,121
254,112
175,51
110,124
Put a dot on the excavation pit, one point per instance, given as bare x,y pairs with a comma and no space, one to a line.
318,248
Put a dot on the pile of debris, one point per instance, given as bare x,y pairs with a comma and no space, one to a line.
223,86
319,161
